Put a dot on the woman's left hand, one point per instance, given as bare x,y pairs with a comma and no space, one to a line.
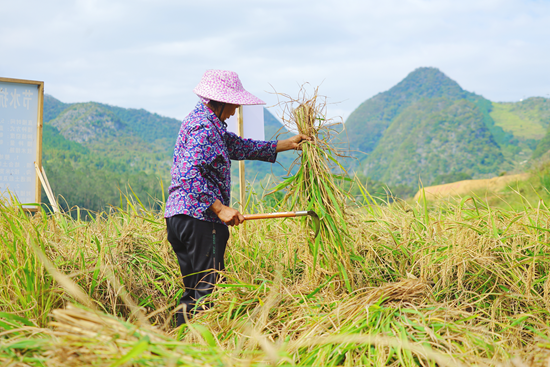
292,143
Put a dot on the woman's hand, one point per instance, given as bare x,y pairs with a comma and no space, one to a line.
228,215
291,143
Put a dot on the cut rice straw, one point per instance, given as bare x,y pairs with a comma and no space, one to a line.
315,184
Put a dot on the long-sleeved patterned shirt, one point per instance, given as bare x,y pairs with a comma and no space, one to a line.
201,172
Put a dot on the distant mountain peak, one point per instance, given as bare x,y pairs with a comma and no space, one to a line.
428,82
427,71
82,122
366,125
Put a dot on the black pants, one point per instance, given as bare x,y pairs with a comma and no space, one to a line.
199,247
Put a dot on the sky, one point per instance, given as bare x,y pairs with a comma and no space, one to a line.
151,54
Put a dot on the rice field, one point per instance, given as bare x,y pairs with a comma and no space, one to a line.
462,284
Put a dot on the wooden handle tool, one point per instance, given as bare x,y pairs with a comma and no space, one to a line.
311,213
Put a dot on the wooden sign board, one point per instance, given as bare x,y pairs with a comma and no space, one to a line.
21,106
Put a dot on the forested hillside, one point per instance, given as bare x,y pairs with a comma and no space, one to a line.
92,152
368,123
528,121
543,147
450,138
428,128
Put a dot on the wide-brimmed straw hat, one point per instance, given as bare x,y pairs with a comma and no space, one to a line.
224,86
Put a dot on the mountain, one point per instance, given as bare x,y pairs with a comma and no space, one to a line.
434,137
367,124
543,146
528,121
541,117
92,152
427,127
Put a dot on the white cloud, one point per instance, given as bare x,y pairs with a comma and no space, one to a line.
150,54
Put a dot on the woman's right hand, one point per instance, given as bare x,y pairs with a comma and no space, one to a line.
228,215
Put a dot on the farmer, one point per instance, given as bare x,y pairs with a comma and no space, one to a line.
197,210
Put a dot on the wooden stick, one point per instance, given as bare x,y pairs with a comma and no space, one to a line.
54,204
48,193
39,173
311,214
269,215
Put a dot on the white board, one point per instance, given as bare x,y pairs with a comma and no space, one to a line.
20,138
253,122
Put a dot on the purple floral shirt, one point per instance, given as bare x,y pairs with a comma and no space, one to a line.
201,172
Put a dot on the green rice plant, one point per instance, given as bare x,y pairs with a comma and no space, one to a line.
122,247
27,291
315,186
544,177
457,283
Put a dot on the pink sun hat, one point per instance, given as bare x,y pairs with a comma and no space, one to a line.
224,86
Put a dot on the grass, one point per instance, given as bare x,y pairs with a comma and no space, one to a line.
524,128
459,284
530,190
517,195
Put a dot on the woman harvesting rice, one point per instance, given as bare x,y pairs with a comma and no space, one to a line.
197,210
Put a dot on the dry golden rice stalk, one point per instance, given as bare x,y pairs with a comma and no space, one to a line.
316,184
405,291
84,337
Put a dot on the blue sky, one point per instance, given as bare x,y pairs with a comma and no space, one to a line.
151,54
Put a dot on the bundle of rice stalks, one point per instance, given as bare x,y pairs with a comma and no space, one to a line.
315,184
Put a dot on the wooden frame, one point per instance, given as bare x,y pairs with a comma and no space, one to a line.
39,124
